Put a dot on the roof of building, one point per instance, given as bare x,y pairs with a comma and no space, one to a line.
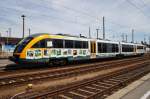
9,40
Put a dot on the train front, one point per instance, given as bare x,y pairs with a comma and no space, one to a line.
27,49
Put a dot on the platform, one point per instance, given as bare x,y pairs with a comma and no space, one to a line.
139,89
4,62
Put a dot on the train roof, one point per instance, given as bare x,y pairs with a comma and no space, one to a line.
70,37
108,41
128,43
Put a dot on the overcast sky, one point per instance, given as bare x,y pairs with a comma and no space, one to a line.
75,16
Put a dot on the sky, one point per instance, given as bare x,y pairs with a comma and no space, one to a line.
74,17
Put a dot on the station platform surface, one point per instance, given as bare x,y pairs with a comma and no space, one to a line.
139,89
4,62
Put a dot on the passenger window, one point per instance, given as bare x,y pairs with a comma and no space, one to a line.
78,44
49,44
57,43
84,44
40,44
68,44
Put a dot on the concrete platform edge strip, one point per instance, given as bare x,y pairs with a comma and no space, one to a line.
129,88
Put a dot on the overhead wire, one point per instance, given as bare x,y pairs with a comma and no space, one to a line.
137,7
89,15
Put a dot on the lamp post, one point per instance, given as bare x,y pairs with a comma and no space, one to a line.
29,31
23,17
9,29
97,32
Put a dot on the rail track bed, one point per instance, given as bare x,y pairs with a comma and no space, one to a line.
17,80
12,84
96,88
22,69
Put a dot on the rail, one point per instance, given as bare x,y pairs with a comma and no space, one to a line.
97,88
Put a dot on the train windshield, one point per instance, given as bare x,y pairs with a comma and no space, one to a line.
21,45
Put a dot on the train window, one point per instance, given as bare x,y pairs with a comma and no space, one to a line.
57,43
115,48
22,44
139,47
109,48
102,47
78,44
40,44
68,44
84,44
127,48
99,48
49,44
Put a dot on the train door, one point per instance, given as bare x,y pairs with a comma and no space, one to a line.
93,49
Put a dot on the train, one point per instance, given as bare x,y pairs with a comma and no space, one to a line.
44,48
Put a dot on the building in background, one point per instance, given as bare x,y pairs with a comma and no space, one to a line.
8,44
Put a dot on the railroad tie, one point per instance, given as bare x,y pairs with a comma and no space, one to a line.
86,91
78,94
112,81
92,88
63,96
96,85
103,83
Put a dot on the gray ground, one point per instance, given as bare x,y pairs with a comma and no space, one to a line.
4,62
138,92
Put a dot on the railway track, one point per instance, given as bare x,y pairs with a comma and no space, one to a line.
17,72
16,80
97,88
19,69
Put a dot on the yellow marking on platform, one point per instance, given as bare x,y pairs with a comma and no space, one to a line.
66,97
78,94
86,91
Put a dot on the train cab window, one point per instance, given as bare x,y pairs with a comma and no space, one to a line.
57,43
21,45
68,44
